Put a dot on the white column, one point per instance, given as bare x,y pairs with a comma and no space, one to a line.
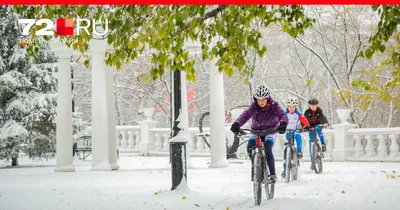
343,144
185,118
394,147
358,148
382,153
100,111
147,142
369,149
112,120
64,110
217,118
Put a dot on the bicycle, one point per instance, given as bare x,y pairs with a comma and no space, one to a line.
260,170
292,162
316,153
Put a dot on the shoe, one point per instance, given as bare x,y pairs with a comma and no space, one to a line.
323,148
283,175
300,155
273,178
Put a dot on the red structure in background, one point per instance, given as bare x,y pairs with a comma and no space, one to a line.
190,98
228,118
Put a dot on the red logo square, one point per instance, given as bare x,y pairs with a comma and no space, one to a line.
65,27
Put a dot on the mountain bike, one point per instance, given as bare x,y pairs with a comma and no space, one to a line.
260,171
291,160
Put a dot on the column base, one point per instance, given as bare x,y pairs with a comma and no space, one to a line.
65,168
219,164
103,166
114,166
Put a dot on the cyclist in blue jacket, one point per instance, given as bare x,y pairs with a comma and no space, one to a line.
296,121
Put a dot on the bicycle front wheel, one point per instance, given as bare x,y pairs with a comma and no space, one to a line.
257,178
317,159
288,164
269,186
296,166
269,190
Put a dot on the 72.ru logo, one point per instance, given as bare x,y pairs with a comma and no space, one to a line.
64,27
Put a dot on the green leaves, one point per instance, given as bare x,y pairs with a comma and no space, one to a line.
387,90
226,33
387,26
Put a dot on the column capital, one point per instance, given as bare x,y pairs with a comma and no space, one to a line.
98,46
62,50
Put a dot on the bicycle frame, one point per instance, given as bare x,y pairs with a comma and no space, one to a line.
291,138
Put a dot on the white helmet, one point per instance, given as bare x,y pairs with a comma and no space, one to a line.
261,92
292,101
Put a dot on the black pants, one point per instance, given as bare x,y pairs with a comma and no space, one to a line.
268,151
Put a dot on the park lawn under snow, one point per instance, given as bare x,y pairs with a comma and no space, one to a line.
143,183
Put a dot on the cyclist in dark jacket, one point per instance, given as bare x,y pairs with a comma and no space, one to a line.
265,113
315,116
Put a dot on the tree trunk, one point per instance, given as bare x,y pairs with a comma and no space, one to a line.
390,115
14,161
117,103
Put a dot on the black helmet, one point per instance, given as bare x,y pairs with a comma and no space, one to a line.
313,101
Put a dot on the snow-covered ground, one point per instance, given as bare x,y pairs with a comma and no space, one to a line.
143,183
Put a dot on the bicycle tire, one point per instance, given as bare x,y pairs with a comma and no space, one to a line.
269,187
257,178
317,159
295,167
288,165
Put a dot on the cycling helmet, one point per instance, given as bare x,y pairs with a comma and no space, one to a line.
261,92
313,101
292,101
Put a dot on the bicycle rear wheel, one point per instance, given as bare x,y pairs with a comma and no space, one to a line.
257,178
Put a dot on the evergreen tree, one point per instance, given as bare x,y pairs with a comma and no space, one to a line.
13,87
28,96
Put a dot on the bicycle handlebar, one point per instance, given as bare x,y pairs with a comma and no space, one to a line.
255,132
319,127
300,130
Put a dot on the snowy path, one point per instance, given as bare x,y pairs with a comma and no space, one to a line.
143,183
